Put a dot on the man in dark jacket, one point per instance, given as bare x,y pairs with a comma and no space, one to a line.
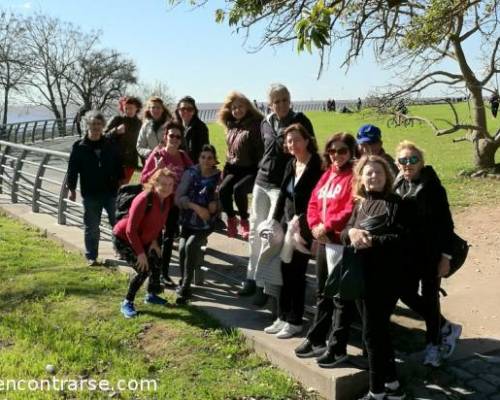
96,159
270,175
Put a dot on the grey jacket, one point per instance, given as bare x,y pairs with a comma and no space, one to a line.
148,139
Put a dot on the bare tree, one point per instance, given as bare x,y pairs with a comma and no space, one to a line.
100,77
13,60
145,90
413,37
54,47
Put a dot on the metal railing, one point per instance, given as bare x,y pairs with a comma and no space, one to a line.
37,131
37,177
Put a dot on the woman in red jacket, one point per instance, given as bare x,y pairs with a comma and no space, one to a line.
135,237
329,209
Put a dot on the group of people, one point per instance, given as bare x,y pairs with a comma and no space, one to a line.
352,202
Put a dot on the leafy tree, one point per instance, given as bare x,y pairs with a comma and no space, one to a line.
418,38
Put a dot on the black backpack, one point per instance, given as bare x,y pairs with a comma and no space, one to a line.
126,194
459,250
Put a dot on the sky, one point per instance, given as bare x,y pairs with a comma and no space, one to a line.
192,54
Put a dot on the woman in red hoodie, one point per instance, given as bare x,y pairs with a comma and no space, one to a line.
328,211
135,237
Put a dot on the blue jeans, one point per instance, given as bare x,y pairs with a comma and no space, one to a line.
92,211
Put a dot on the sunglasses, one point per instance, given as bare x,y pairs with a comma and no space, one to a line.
341,152
186,109
409,160
174,136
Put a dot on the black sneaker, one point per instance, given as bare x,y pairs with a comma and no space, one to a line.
248,288
181,300
307,349
394,394
167,281
329,359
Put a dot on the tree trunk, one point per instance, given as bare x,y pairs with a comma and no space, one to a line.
5,105
484,156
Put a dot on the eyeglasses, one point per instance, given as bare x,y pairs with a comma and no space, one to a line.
342,151
174,136
409,160
186,109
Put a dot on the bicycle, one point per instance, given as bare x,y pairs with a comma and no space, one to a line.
399,119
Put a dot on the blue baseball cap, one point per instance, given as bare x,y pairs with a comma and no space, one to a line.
368,134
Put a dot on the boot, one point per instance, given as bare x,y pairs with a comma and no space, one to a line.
260,298
245,228
248,288
232,227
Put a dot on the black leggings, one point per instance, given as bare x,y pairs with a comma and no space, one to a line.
237,182
126,251
170,232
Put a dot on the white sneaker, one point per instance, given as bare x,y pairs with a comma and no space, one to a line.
275,327
450,333
289,330
432,356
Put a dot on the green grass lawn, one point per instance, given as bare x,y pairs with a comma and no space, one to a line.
54,310
448,158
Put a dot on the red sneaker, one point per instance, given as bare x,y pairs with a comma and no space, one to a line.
245,228
232,227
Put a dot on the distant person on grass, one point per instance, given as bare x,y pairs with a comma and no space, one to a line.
432,228
197,198
168,155
125,129
151,133
96,160
135,238
244,151
195,132
369,140
269,177
494,102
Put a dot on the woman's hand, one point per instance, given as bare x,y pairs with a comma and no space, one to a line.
360,238
72,195
156,248
202,212
319,233
443,267
120,129
142,263
213,206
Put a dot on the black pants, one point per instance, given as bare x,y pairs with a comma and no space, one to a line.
378,305
292,295
126,251
324,305
237,182
344,313
427,305
190,254
170,232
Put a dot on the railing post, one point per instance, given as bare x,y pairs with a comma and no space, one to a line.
38,183
44,129
62,205
17,131
3,159
53,128
11,126
24,132
33,132
15,175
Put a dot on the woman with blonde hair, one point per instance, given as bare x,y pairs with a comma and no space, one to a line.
151,134
244,150
135,237
419,186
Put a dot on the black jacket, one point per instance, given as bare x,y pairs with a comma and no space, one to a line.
432,224
287,206
386,218
273,163
195,136
127,142
98,175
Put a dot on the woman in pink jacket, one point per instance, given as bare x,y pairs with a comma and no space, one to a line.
168,154
329,209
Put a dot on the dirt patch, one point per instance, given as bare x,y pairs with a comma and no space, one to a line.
156,339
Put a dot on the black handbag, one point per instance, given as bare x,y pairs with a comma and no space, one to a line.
347,280
459,252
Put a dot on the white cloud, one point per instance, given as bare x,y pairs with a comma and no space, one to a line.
27,5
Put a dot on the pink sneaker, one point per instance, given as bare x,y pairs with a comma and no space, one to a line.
232,227
245,228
